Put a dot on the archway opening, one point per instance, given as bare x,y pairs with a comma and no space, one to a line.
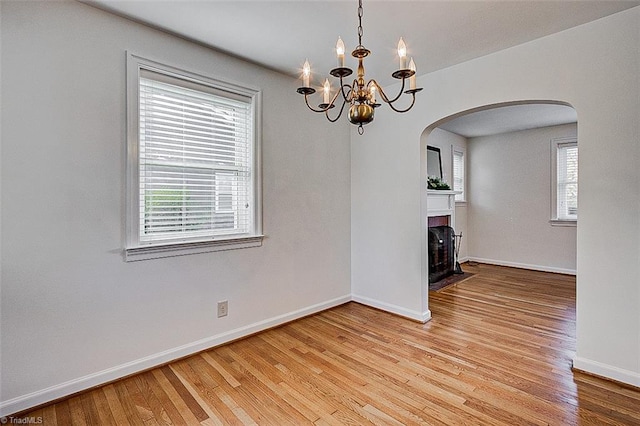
507,213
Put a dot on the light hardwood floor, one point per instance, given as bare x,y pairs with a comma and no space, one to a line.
497,352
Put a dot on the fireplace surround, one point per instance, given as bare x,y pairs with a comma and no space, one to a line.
440,233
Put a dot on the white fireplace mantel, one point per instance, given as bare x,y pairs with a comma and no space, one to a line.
442,203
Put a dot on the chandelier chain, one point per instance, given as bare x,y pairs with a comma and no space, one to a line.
360,31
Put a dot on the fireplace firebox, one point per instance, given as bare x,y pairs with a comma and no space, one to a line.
441,252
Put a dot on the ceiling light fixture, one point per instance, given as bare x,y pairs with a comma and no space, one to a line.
361,95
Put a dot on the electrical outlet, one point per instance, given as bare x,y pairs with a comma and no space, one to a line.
223,308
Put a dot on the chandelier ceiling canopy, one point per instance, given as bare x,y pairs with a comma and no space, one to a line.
362,95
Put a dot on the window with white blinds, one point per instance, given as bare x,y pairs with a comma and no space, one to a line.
567,181
194,170
458,174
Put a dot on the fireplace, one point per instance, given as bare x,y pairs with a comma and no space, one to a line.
441,252
441,236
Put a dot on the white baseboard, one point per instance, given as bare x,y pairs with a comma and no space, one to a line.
522,265
394,309
607,371
70,387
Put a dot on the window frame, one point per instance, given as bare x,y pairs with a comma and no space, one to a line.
135,249
459,150
556,144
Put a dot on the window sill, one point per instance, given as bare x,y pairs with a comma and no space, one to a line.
462,203
564,222
158,251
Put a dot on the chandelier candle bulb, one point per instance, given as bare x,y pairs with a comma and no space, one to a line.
326,91
306,72
372,94
402,53
412,79
340,52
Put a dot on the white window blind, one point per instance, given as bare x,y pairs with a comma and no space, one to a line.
193,169
567,181
458,174
195,149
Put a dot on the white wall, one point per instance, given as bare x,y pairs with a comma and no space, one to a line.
73,313
593,67
510,201
445,140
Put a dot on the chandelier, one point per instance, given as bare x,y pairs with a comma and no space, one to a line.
360,95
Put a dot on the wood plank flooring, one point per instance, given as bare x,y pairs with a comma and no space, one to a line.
497,352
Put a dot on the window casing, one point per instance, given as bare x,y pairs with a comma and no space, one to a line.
193,170
459,177
564,168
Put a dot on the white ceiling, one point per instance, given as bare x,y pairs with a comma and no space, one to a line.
282,34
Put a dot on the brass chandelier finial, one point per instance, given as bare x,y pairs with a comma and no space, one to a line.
360,95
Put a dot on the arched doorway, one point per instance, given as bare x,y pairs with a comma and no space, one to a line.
512,223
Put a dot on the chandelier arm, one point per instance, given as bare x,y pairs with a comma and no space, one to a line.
349,95
384,95
306,101
337,116
413,101
333,100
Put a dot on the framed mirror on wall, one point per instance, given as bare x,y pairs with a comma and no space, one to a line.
434,162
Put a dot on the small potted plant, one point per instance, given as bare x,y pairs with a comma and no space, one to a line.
434,182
